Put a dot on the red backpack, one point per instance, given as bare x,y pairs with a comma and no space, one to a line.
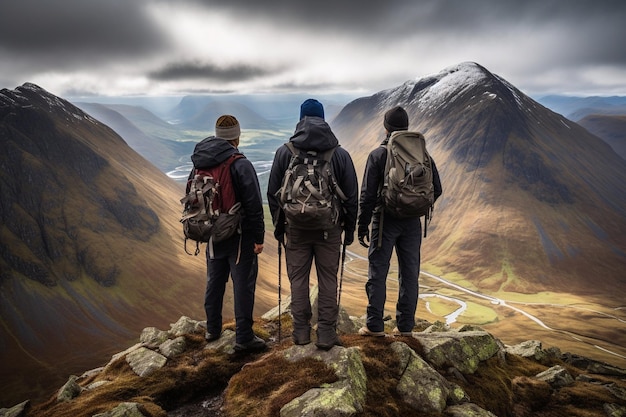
211,213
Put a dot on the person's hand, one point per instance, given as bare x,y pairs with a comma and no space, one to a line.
348,238
364,237
280,236
279,233
258,248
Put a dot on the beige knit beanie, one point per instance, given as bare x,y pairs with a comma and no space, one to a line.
227,127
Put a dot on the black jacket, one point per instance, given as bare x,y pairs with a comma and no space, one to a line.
372,180
314,134
213,151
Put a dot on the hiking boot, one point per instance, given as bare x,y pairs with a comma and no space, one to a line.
301,336
255,345
364,331
328,345
327,337
300,342
397,332
210,337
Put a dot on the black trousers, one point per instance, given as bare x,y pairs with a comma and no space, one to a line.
405,236
244,274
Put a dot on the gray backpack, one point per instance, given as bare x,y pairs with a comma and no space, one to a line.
310,195
408,189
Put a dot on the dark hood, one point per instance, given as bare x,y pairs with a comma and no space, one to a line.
313,134
211,151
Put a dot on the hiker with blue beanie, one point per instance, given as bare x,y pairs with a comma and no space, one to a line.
312,142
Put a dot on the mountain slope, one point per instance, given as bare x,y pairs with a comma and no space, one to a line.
132,123
608,127
90,243
531,200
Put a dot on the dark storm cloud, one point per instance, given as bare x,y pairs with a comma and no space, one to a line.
115,44
377,18
73,27
196,70
593,30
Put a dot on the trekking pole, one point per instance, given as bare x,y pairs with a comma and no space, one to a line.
343,261
279,289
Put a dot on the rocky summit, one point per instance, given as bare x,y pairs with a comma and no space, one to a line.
437,371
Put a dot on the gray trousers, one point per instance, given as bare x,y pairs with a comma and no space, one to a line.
302,246
405,235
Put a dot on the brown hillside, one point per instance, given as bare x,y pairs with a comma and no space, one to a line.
611,128
91,247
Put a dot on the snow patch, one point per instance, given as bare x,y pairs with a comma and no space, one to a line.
451,82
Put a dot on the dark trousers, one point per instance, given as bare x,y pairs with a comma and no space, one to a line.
405,235
244,275
301,247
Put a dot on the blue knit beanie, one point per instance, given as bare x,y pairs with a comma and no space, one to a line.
311,107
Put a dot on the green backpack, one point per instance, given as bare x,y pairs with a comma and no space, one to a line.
408,189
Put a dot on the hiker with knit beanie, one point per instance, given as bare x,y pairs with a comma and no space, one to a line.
237,255
402,234
313,137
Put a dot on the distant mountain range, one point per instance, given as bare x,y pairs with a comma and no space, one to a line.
575,108
602,116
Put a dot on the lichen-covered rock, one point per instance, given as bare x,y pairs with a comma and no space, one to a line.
144,361
226,343
557,377
173,347
343,398
70,390
183,326
528,349
463,351
151,337
15,411
420,385
122,354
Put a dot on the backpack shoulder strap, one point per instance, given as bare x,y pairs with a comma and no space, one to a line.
328,156
292,148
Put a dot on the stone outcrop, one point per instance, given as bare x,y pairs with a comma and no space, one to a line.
461,350
424,381
346,397
557,377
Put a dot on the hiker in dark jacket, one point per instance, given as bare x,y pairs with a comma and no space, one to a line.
236,255
301,246
405,235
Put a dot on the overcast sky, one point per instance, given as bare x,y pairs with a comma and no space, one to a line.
158,47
